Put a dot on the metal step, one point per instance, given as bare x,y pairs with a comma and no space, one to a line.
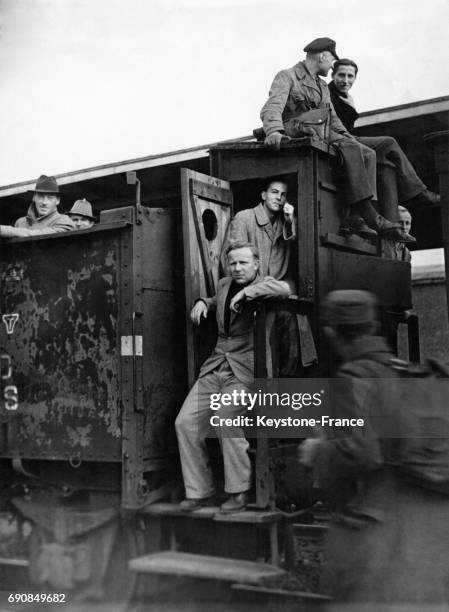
204,566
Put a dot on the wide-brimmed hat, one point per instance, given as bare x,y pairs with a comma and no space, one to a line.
46,184
83,208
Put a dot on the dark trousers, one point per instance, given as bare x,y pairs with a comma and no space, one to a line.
360,170
387,149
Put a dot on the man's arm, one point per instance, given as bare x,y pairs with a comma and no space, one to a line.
289,229
265,288
271,113
63,224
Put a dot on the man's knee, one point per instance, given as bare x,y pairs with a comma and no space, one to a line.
185,421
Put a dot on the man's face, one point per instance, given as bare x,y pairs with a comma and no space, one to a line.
325,62
405,221
344,78
81,222
45,203
243,265
274,197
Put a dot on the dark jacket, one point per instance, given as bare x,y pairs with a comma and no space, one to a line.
345,111
390,543
237,347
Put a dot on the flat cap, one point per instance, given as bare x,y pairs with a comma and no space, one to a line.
349,307
322,44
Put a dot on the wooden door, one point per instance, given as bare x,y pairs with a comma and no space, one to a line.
206,212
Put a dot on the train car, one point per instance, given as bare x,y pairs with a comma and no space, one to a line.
97,355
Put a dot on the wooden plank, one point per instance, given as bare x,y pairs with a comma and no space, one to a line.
281,592
168,509
307,204
14,562
250,516
212,192
204,566
351,243
212,512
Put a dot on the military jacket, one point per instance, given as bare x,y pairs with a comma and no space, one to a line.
295,91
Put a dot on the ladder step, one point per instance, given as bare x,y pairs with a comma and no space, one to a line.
212,512
250,516
14,562
281,592
204,566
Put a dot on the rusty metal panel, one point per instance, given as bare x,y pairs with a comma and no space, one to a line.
389,280
64,348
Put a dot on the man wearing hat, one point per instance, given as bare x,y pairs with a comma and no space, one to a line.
389,542
81,214
42,216
298,105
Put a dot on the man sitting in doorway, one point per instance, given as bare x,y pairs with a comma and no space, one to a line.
229,368
269,226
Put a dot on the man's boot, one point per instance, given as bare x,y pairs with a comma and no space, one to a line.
385,229
424,199
356,225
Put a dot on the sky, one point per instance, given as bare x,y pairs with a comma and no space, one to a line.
89,82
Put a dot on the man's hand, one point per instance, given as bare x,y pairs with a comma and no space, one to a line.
199,310
274,140
288,212
239,297
307,451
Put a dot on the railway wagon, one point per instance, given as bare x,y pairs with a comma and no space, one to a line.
96,357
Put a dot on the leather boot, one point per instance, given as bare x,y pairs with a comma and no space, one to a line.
424,199
391,231
236,503
356,225
385,229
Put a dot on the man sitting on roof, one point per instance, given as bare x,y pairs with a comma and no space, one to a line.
299,105
409,187
42,216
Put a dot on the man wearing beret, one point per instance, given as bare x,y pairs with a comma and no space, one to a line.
42,216
389,543
296,97
409,187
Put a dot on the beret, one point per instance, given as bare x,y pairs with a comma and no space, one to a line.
322,44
